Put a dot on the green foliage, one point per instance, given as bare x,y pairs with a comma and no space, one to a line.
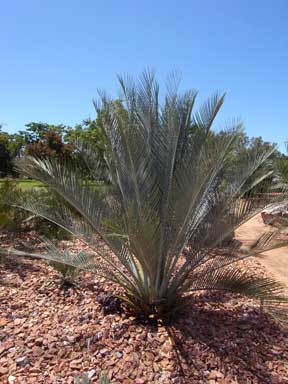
39,139
92,132
14,218
10,149
43,227
281,165
171,190
48,230
5,155
244,149
50,145
37,131
10,217
24,184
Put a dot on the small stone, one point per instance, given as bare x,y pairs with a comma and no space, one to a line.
3,370
6,346
3,321
34,370
98,335
219,375
71,339
11,379
212,375
91,373
39,341
76,364
37,351
22,361
19,321
118,355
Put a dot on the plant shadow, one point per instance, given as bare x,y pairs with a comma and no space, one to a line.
19,266
238,337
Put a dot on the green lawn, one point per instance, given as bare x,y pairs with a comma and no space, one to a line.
25,184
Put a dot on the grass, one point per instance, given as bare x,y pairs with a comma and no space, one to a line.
24,183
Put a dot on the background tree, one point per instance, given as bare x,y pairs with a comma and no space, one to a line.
51,144
36,131
281,164
92,132
5,155
11,146
44,139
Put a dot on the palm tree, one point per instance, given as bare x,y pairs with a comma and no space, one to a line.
170,191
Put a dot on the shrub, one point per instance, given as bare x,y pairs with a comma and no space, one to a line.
44,228
10,217
13,218
281,165
169,187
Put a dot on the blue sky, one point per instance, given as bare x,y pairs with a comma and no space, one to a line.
55,54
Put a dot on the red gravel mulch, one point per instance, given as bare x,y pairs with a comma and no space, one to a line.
51,335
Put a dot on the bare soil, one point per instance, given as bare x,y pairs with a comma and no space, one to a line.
275,261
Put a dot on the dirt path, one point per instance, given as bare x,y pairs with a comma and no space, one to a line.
276,261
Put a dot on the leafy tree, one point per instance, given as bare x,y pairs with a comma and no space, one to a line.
50,145
37,131
281,166
170,187
91,133
5,155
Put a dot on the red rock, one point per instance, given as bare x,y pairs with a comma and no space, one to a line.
4,370
3,321
39,341
76,364
6,346
213,375
209,336
34,370
19,321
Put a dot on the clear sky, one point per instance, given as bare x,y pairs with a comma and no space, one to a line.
55,54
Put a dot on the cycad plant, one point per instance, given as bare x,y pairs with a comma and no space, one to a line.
169,192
